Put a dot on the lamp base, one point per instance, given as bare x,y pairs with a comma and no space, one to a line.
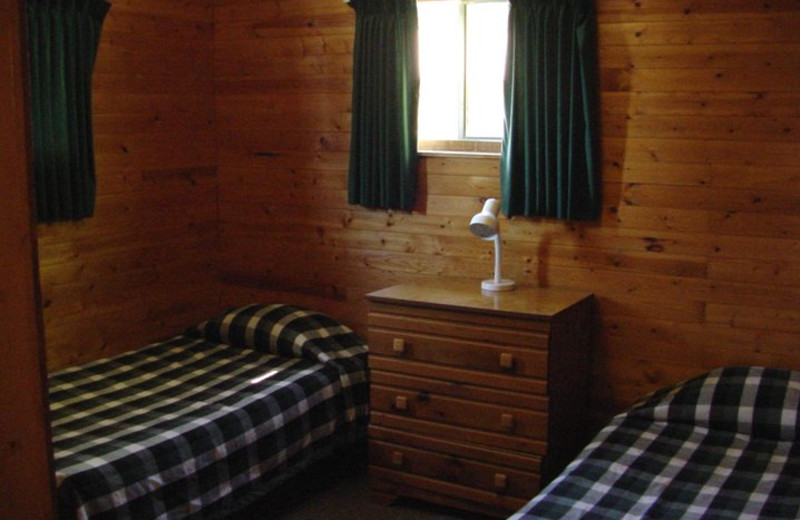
502,285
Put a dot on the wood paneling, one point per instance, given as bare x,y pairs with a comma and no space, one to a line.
143,267
694,262
26,479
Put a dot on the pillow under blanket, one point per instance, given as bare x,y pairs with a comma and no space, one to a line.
284,330
757,401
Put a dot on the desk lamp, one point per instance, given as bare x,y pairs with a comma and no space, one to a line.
485,225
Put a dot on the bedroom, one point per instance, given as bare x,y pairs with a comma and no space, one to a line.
221,133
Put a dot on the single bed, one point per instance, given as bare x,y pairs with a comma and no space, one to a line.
724,445
199,425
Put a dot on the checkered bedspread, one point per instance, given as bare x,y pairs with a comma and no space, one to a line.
722,446
189,427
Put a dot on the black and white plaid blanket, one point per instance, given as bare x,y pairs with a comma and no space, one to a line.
189,427
724,446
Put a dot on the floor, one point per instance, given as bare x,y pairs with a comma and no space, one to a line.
349,500
340,493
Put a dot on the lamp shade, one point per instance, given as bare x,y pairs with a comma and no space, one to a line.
486,225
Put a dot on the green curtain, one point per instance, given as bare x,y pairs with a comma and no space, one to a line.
63,36
550,164
383,145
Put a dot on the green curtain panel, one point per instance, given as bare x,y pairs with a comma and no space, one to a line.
550,164
383,145
63,36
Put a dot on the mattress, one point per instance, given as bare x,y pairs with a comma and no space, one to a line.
193,426
723,445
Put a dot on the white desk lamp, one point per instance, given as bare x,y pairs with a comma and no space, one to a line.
485,225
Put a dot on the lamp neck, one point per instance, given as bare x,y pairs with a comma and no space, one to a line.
498,258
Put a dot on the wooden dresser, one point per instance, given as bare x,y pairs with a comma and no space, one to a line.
477,398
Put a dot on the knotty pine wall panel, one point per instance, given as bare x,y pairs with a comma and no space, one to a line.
142,267
695,260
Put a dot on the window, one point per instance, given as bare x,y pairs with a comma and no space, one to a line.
462,47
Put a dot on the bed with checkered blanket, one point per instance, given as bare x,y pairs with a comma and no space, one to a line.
197,426
724,445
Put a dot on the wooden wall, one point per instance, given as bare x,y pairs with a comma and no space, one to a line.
143,267
695,262
25,479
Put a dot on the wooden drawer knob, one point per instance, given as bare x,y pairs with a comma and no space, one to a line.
397,459
399,345
500,481
506,361
507,421
400,403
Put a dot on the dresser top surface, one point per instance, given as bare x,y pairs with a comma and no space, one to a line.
468,296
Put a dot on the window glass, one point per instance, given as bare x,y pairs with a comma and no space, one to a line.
441,60
487,29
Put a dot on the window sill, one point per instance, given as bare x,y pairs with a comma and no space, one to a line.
459,148
445,153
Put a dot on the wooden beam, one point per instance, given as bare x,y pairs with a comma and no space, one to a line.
26,478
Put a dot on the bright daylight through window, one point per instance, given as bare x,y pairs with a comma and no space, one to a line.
462,49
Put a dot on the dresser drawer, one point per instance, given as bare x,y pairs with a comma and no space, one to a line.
453,469
443,432
459,412
460,445
458,376
442,350
432,383
385,482
475,327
